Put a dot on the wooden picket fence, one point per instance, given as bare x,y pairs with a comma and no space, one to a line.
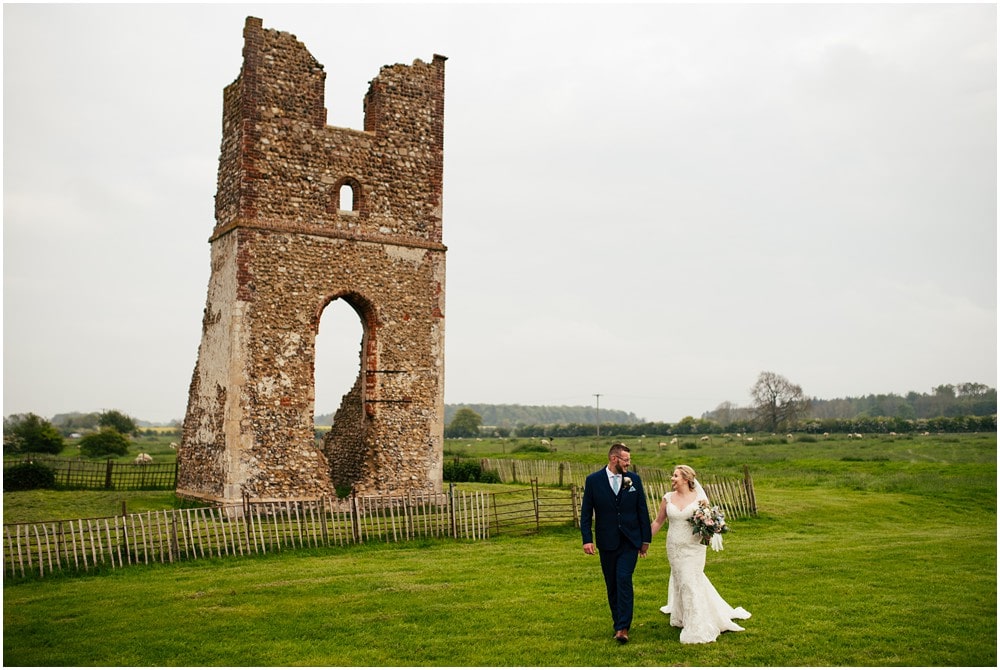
527,511
110,475
258,527
170,536
733,494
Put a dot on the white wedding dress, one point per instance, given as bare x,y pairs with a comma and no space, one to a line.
693,603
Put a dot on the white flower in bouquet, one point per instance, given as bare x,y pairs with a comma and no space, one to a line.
709,523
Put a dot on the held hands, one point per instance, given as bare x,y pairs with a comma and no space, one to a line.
589,549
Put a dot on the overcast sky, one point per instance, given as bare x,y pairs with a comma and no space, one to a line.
652,202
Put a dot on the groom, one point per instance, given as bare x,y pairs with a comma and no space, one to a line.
614,496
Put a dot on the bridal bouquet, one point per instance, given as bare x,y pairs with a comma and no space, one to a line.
709,523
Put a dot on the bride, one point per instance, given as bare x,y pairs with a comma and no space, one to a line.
693,603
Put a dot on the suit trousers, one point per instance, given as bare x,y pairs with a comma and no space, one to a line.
618,566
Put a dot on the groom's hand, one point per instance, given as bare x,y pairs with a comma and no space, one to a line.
589,548
643,549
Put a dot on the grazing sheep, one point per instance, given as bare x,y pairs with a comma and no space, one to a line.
704,438
662,444
789,437
749,439
546,443
143,459
673,441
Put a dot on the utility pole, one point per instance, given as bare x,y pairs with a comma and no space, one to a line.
598,396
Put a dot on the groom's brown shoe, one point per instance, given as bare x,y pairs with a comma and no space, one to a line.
622,636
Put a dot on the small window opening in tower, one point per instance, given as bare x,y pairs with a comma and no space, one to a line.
347,197
338,357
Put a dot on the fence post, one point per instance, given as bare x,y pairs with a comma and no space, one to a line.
125,536
248,524
107,475
175,547
355,518
748,486
451,506
562,466
576,508
322,521
534,499
513,472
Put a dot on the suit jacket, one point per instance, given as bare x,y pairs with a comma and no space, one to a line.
625,515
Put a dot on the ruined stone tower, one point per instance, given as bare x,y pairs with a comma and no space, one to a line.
283,248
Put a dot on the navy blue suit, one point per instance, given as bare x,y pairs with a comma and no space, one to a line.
622,527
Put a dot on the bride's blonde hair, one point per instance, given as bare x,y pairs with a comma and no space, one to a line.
688,473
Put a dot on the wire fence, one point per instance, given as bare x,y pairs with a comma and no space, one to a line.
110,475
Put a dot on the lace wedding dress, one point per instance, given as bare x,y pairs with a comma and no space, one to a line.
693,603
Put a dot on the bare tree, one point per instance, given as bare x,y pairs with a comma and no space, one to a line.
777,402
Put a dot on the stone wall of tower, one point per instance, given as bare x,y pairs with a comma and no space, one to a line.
283,249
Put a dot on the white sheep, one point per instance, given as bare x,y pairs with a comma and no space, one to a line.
673,441
704,438
143,459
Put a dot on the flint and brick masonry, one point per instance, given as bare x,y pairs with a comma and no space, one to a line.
283,248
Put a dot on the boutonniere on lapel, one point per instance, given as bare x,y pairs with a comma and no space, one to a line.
626,484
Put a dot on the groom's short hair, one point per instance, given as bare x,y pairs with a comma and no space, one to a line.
616,449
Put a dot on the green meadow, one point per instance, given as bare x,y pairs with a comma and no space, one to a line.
875,552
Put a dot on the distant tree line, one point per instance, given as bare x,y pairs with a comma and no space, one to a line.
510,416
947,400
68,423
31,434
691,426
777,405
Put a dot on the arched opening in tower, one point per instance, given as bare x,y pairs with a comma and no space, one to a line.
339,391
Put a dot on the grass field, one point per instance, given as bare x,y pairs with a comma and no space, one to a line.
863,554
